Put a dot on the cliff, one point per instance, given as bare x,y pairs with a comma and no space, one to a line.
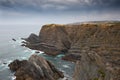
101,40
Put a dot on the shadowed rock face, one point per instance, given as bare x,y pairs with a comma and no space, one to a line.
101,39
33,38
36,68
56,38
92,67
53,40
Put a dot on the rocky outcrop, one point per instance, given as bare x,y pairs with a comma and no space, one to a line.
13,39
53,40
36,68
33,38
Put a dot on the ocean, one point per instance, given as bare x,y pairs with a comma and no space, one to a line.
11,50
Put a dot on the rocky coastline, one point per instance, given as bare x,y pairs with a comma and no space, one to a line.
94,47
35,68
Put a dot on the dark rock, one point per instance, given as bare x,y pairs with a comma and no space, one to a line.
48,49
4,63
36,68
13,39
16,64
37,52
72,57
33,38
23,44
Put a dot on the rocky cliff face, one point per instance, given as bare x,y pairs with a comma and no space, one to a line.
36,68
93,67
101,39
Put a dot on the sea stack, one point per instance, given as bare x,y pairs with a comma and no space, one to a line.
36,68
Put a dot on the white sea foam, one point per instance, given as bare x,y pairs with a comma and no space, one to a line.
32,51
3,66
26,51
65,66
41,52
13,77
65,78
9,61
18,41
23,57
61,55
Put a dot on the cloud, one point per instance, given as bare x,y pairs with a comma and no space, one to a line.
59,11
58,7
60,4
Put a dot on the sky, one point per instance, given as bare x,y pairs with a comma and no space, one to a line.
57,11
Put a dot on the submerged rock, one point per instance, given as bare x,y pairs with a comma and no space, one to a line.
36,68
13,39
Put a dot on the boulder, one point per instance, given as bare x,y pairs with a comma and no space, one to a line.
36,68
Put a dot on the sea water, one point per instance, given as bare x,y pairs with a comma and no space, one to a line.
11,50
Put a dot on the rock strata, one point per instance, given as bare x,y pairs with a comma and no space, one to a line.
36,68
93,67
54,39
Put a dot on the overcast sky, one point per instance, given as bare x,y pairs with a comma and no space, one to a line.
57,11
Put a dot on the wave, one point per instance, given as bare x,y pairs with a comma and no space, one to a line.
4,64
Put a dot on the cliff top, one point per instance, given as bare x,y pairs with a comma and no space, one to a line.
87,24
